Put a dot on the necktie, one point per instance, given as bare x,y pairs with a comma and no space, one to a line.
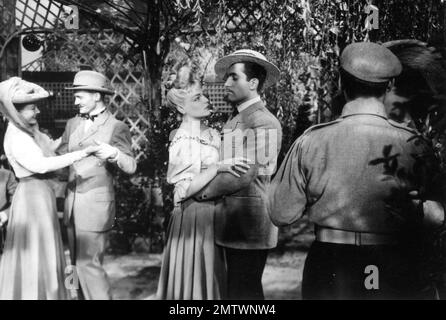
87,116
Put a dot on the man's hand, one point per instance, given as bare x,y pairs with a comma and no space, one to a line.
105,151
434,213
3,217
234,166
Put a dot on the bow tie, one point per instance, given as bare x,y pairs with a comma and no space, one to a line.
87,116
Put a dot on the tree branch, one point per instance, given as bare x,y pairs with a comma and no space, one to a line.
125,14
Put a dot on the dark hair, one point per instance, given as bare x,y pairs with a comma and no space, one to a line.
422,78
355,88
254,70
423,68
412,85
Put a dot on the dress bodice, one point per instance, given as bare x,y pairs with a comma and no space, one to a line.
188,155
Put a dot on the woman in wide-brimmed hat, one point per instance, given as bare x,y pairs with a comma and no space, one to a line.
33,262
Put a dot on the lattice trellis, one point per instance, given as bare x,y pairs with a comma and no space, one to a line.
39,13
216,92
244,15
108,52
104,51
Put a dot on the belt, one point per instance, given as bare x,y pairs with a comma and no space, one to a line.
353,238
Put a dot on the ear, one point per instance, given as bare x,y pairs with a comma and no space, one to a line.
253,84
97,96
390,85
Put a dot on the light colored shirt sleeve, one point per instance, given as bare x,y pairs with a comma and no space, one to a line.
29,155
122,141
184,164
287,196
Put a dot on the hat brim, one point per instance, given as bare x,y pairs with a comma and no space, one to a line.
272,72
91,88
30,97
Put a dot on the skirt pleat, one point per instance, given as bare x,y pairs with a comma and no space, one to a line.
193,266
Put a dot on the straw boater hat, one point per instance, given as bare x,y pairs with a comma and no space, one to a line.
91,81
245,55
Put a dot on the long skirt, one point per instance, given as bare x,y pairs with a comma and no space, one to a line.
32,265
193,266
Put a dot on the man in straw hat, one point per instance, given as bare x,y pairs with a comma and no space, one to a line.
353,178
90,199
242,225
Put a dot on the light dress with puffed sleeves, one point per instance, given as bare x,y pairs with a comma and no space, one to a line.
193,266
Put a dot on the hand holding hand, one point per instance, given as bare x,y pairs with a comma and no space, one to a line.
105,151
91,150
235,166
434,213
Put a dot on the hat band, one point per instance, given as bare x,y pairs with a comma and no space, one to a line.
87,85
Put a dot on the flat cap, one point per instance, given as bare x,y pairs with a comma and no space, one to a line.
370,62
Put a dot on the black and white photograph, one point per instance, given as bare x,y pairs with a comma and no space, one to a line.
243,152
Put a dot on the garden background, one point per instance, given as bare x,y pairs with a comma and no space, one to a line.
139,44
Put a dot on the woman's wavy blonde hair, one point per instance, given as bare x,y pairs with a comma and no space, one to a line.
183,83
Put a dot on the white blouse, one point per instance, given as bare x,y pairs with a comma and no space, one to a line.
27,158
188,155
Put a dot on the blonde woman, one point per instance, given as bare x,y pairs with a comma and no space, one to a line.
193,265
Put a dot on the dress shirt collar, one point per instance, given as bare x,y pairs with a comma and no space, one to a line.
248,103
95,112
364,106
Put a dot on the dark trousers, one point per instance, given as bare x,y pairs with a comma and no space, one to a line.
245,269
338,271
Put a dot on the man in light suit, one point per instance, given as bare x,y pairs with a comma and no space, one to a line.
242,224
90,199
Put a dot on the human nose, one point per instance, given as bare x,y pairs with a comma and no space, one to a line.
76,101
37,110
228,82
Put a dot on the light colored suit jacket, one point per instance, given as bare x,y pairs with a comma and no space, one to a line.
242,220
90,195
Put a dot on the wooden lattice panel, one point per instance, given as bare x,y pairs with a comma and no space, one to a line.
104,51
216,93
62,105
244,15
39,13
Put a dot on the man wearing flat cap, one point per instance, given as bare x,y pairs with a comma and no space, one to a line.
90,199
242,224
353,177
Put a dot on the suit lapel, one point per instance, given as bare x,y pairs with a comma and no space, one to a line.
77,133
252,108
97,124
233,122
